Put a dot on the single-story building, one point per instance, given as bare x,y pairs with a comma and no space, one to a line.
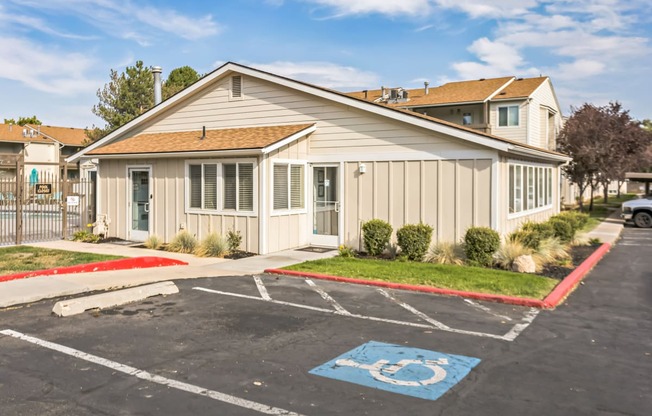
290,164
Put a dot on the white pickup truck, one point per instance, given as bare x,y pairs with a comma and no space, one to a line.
639,211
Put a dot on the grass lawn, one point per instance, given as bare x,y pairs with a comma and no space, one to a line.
472,279
24,259
602,210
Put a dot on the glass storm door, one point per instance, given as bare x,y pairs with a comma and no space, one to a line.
140,196
325,206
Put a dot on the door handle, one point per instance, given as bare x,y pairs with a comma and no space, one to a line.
146,207
337,206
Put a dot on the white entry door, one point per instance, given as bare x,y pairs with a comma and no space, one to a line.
140,196
325,206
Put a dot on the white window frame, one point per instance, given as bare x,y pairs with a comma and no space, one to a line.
289,163
518,117
220,188
532,198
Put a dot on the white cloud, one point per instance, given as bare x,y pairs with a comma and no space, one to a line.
489,8
580,68
323,74
122,18
44,69
386,7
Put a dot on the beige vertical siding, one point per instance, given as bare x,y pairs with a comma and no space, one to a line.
450,195
168,203
287,230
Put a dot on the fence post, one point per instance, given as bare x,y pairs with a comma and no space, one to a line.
19,202
64,203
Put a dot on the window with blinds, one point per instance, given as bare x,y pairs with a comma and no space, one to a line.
231,184
289,187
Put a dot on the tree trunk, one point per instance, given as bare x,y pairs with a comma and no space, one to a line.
591,200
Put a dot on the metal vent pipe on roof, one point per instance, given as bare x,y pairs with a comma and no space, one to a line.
425,87
156,71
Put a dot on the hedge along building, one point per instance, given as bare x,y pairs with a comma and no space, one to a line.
289,164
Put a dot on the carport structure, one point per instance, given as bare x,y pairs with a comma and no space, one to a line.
645,178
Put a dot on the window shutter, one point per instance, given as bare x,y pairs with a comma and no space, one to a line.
236,86
281,187
229,174
210,186
195,186
246,187
296,187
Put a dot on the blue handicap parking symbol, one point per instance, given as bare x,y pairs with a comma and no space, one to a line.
410,371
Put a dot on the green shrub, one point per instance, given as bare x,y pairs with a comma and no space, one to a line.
345,251
576,219
480,244
183,242
213,245
85,236
153,242
563,229
528,238
446,253
376,235
234,240
414,240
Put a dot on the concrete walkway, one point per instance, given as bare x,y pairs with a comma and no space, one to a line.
608,231
22,291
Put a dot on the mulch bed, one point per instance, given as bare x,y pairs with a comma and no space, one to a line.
578,254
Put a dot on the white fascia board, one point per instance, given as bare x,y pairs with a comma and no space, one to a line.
289,139
539,154
409,107
207,153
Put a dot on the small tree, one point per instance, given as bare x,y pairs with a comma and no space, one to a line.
179,79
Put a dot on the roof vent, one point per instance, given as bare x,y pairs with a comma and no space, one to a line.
236,86
425,87
483,79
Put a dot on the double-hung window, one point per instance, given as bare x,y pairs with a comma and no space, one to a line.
508,116
221,186
289,186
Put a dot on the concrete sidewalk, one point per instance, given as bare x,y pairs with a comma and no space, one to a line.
22,291
609,230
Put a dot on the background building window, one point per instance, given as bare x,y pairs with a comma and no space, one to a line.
467,119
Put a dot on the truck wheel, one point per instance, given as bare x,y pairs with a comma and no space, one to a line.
643,220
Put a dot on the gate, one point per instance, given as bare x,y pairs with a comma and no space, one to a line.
43,205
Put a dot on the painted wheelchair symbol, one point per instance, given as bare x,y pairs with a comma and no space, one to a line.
380,368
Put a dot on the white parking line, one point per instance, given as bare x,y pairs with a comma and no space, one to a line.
261,288
327,297
510,336
144,375
420,314
486,309
518,328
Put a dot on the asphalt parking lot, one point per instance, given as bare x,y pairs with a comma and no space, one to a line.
276,345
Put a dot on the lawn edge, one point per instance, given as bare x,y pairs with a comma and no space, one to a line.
553,299
100,266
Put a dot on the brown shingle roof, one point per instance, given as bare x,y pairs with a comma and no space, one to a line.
191,141
520,88
450,93
67,135
14,133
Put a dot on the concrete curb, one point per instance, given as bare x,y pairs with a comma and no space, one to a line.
110,265
554,298
111,299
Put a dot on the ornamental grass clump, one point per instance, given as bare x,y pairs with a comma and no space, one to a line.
376,235
183,242
509,251
213,245
414,239
445,252
480,244
153,242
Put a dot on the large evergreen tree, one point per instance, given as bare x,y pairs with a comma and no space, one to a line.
179,79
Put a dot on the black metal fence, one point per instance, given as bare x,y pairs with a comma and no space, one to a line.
42,206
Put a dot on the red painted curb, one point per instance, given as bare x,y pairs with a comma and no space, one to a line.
552,300
563,289
102,266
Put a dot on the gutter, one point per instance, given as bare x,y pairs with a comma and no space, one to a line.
204,153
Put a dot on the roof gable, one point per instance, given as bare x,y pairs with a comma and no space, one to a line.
396,114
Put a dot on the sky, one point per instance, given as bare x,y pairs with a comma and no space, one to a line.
56,54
